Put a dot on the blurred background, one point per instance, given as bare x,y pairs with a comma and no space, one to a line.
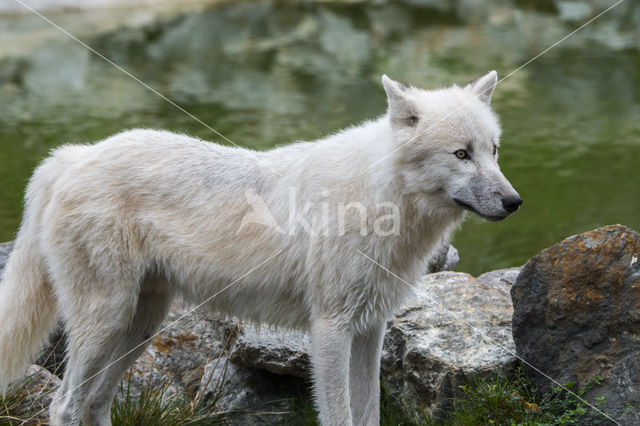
265,73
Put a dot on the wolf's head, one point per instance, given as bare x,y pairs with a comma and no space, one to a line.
447,142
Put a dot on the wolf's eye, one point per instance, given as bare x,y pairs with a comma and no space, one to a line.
412,120
495,150
462,154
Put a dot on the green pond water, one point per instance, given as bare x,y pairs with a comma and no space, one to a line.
269,73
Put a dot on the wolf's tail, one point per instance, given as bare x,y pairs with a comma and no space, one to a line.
28,307
27,311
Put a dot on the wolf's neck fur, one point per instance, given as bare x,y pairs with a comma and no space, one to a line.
423,216
427,220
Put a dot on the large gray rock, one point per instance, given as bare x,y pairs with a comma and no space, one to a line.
191,358
251,396
577,316
279,352
500,279
177,356
453,330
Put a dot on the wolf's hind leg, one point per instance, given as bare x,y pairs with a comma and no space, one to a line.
92,328
330,347
153,305
97,313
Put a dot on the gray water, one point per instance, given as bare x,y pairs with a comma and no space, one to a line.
268,73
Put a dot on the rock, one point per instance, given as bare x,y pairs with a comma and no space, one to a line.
577,316
177,356
251,396
5,249
279,352
41,386
501,279
445,259
453,330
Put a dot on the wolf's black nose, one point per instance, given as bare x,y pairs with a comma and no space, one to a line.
511,203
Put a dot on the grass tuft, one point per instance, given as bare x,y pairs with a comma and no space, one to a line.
499,400
514,401
21,403
154,406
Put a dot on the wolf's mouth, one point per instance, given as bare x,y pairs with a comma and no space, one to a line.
484,216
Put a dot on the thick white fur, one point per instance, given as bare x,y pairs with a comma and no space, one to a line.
112,231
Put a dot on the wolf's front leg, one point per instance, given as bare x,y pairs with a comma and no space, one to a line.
330,348
365,376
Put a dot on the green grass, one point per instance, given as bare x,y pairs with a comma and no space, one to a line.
498,400
512,400
515,401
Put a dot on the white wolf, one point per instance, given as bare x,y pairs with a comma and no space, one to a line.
113,231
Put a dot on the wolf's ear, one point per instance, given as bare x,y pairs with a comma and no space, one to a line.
401,107
484,86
